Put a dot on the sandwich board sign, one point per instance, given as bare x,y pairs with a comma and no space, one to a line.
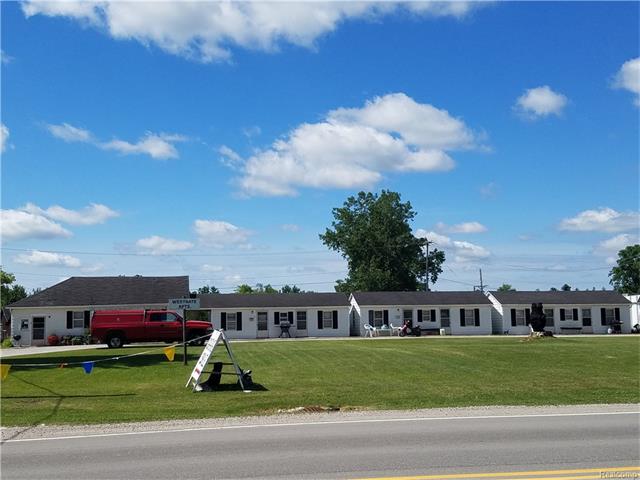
184,303
216,336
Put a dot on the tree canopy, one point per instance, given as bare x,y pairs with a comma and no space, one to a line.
505,287
207,289
373,233
10,293
625,276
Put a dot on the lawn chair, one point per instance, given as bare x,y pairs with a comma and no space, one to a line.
369,331
394,330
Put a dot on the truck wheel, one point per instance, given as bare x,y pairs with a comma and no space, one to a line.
196,335
115,340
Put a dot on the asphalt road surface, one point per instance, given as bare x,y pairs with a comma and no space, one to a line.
566,445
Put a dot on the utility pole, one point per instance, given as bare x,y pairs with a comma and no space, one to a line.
481,286
426,284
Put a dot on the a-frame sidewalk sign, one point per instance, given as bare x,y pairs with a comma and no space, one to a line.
198,370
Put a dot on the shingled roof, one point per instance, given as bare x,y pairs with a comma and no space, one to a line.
275,300
586,297
420,298
87,291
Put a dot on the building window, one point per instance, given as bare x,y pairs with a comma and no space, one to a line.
468,319
327,319
444,317
568,314
232,323
378,318
407,317
78,319
549,314
284,317
521,318
24,324
610,316
301,320
586,317
427,317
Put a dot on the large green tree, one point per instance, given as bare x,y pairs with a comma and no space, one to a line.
373,233
9,292
505,287
625,276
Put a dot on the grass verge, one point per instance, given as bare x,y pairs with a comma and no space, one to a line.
364,374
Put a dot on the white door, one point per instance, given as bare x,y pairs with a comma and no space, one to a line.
263,324
301,325
37,331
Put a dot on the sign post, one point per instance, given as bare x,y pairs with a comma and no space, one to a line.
184,304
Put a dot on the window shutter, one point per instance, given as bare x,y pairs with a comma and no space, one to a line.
476,314
575,314
276,318
320,320
386,317
420,315
617,313
69,319
527,316
433,316
290,317
462,319
603,316
239,321
562,314
87,319
513,317
223,320
335,319
371,317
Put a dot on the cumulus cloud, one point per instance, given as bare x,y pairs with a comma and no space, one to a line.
465,227
353,147
601,220
219,234
615,244
462,251
628,78
92,214
69,133
4,137
47,259
159,146
160,245
206,31
20,225
541,102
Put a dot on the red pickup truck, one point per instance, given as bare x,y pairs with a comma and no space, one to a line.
117,327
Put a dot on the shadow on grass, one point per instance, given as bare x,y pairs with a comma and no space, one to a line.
234,387
55,395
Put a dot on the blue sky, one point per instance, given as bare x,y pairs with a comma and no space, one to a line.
214,139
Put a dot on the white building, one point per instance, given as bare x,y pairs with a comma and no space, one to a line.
567,312
458,313
66,308
263,315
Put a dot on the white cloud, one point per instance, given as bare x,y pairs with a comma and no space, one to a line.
158,146
69,133
353,147
465,227
290,227
462,251
92,214
206,268
19,225
541,102
628,78
601,220
4,137
615,244
206,31
220,234
47,259
4,58
230,158
160,245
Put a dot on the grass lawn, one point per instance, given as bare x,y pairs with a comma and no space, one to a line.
365,374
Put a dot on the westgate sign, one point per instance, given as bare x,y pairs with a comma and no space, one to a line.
184,304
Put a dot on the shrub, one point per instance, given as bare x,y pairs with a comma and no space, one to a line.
6,343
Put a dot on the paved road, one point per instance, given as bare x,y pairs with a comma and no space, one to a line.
377,446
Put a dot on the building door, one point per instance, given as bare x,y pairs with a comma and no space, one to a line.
37,331
263,324
301,324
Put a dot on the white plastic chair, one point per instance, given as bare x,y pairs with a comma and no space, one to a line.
394,330
368,330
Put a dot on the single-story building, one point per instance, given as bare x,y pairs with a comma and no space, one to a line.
635,309
261,315
566,312
66,308
458,313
